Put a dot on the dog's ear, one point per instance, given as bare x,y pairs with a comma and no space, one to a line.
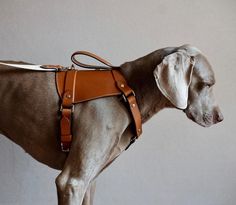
173,77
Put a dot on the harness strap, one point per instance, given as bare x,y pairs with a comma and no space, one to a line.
67,107
131,100
115,81
71,85
86,53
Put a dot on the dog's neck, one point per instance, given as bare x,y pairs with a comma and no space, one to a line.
137,74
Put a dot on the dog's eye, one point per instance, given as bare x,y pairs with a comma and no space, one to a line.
208,84
203,85
200,86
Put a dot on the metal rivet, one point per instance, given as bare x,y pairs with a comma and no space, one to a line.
139,130
122,85
68,96
133,105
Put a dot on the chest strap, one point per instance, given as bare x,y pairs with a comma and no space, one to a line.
75,86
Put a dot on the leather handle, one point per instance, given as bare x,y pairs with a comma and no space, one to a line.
83,65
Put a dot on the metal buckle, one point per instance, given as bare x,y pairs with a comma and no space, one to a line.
132,140
63,148
125,97
72,67
72,108
61,69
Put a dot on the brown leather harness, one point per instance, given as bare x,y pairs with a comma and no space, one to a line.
76,86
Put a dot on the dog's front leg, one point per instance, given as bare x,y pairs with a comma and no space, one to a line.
97,128
89,195
87,199
73,183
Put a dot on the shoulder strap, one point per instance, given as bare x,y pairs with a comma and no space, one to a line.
83,65
129,95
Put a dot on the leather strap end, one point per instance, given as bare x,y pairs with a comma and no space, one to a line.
65,125
66,138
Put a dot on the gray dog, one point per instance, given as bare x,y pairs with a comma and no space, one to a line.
173,77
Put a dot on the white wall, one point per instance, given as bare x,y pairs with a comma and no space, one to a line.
175,162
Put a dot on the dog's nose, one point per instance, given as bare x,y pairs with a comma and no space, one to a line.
218,116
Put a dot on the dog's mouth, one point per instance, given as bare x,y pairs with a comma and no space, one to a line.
205,120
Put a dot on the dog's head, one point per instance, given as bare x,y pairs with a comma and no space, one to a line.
186,78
